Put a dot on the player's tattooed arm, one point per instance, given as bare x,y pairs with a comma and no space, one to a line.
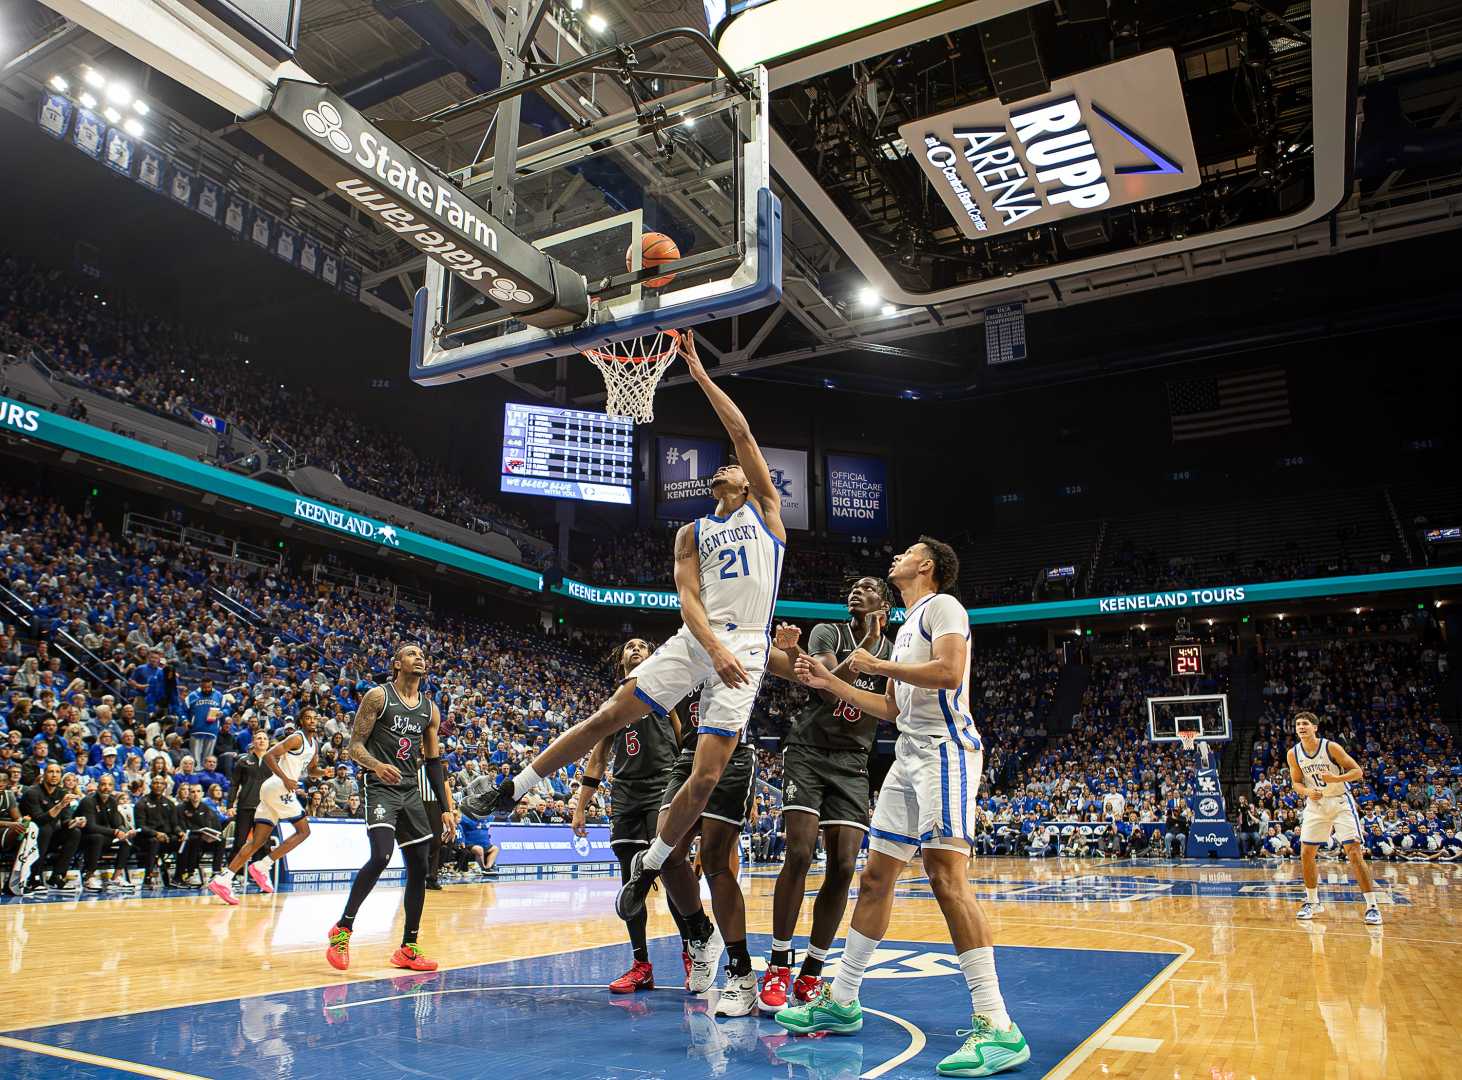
371,708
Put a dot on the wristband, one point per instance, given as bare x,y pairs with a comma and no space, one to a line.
590,782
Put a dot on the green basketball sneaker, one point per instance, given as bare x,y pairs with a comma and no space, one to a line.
822,1013
986,1051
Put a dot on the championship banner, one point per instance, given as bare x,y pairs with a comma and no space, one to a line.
329,268
236,214
350,280
309,255
789,477
210,200
180,185
857,495
55,115
261,229
120,151
150,167
88,132
683,476
285,243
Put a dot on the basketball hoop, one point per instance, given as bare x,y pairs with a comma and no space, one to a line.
632,370
1188,738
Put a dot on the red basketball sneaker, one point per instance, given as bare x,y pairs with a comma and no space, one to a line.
409,957
774,986
806,988
339,951
640,976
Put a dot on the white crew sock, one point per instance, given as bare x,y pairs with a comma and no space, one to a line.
525,782
857,951
658,853
1371,900
979,968
814,953
1312,896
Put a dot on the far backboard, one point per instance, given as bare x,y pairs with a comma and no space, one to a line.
1206,714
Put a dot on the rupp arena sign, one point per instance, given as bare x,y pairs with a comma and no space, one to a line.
1103,138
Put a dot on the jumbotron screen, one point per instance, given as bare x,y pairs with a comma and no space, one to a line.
567,454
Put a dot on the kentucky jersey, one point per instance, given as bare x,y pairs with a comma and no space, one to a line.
741,564
934,712
1318,764
397,737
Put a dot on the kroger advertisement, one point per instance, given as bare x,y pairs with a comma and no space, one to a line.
683,471
857,495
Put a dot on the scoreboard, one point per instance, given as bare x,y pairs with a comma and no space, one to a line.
1185,659
567,454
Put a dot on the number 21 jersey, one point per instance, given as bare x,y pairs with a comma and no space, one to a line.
396,738
741,565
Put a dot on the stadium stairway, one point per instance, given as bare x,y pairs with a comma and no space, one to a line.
1246,705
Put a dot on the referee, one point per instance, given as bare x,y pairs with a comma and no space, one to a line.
433,819
250,772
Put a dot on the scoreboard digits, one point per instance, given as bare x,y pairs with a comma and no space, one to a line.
567,454
1185,659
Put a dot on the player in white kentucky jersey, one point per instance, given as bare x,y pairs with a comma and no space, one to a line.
727,568
288,760
1329,808
927,801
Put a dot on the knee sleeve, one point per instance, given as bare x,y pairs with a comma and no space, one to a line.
383,841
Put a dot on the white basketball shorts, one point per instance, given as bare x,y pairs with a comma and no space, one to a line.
1320,819
928,798
276,804
680,665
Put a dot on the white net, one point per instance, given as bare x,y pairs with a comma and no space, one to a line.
1188,739
632,370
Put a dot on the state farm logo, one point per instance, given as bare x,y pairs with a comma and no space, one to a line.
325,122
507,289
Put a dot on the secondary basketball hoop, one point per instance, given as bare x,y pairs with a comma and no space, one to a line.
632,369
1189,739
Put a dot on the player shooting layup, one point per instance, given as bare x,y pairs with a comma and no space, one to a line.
1329,808
928,801
727,567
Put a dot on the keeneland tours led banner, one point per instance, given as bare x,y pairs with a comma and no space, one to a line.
1099,139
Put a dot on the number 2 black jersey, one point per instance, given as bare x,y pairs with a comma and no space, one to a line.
836,725
397,736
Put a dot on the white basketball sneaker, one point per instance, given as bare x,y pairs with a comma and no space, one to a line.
1309,911
1373,916
704,958
738,998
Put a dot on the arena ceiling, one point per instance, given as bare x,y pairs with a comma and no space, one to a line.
401,62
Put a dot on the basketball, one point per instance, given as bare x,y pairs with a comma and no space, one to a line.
655,250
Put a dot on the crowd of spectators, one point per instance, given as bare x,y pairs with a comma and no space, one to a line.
166,369
1373,689
1129,569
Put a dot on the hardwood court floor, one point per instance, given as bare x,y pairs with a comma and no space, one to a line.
1124,969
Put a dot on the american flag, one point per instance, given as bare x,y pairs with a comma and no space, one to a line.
1228,404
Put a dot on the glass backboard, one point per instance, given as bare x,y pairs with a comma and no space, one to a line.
697,173
1206,714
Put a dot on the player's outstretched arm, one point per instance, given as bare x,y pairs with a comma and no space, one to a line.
748,454
589,784
814,673
783,654
693,610
371,708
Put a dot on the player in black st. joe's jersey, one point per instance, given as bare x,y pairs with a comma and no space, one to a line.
825,784
395,734
643,755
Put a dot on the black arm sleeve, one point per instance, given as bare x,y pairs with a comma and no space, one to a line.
436,776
